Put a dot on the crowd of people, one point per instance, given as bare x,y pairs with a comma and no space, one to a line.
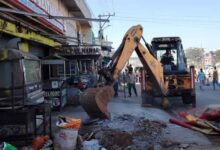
202,79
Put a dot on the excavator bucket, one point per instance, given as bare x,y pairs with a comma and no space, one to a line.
95,101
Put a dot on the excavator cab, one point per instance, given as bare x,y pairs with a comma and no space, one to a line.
160,46
180,79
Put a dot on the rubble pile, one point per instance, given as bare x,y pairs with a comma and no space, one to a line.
124,132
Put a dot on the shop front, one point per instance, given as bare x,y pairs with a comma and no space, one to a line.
54,76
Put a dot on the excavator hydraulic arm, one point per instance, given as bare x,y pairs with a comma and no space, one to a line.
95,100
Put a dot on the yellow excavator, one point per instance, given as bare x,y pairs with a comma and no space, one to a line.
158,79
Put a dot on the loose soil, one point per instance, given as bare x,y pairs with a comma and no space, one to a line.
126,132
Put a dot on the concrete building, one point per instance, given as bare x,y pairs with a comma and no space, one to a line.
209,59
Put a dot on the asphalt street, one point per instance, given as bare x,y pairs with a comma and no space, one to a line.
207,96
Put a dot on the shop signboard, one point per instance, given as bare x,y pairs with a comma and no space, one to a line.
86,50
56,97
41,7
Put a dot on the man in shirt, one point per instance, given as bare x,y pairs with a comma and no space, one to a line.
215,78
167,58
131,79
201,79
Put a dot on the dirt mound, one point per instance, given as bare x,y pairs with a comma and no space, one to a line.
116,139
127,132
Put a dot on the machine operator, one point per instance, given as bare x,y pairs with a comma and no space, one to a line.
167,58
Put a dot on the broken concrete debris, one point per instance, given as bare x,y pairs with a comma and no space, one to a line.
124,132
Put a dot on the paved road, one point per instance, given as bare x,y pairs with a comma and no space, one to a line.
205,97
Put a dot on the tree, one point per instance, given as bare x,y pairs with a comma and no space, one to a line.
217,56
194,56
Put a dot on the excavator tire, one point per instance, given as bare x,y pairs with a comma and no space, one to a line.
189,99
95,101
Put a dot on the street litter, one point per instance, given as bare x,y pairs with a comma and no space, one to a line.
7,146
121,132
67,122
91,145
207,122
39,142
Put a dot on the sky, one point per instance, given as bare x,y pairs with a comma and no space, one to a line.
197,22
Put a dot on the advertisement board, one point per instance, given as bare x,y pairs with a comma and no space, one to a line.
41,7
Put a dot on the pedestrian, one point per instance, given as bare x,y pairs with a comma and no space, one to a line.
201,79
131,79
215,78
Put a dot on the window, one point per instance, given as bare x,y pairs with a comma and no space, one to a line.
5,76
159,54
60,70
32,70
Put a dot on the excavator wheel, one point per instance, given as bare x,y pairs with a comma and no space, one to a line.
189,99
95,101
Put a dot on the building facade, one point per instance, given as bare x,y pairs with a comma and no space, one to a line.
209,59
43,36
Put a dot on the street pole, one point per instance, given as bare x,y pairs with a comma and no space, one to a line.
101,26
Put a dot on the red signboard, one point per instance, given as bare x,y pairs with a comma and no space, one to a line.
43,7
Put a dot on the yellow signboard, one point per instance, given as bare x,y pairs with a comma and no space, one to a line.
24,46
21,32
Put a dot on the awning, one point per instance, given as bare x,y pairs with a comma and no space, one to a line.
14,54
53,60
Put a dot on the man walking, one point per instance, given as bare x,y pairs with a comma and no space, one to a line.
201,79
215,78
131,79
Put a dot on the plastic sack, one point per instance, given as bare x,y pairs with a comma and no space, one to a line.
39,141
7,146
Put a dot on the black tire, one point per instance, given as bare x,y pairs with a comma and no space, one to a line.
189,99
147,98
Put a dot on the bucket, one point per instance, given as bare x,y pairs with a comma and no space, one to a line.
66,139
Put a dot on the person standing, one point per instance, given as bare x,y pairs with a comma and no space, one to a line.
131,79
201,79
215,78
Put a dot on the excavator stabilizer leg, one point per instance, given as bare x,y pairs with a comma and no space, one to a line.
95,101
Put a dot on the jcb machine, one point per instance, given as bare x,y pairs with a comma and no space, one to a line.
158,79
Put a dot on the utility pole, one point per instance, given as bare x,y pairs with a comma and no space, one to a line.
102,25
